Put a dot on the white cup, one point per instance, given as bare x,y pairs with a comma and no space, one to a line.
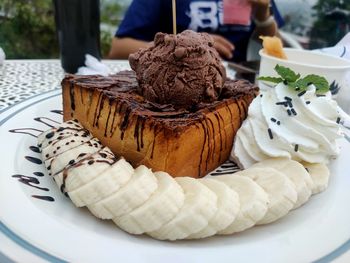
336,70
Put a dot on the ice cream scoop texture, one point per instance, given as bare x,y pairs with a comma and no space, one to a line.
182,70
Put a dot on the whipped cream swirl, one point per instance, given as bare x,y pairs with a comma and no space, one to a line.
284,123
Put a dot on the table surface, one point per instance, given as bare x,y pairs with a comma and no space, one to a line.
23,79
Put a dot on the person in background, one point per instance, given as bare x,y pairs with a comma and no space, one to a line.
145,18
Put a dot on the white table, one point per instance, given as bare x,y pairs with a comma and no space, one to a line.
23,79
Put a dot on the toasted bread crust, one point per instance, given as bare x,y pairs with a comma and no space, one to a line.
188,145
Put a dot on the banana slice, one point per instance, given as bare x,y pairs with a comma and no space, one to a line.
63,130
239,155
253,202
296,173
228,208
319,173
65,143
88,168
72,156
105,183
136,192
280,189
159,209
199,207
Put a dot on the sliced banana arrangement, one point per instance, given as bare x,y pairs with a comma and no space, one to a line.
142,202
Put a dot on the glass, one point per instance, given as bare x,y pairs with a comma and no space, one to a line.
78,29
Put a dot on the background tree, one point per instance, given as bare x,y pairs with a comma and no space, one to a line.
331,24
27,27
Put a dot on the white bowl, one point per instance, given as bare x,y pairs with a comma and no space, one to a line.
305,62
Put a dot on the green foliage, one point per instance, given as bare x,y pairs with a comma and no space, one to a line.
286,73
28,31
327,31
293,80
271,79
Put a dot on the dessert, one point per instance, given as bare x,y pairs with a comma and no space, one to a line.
296,173
183,124
253,202
297,119
273,46
178,113
166,208
182,70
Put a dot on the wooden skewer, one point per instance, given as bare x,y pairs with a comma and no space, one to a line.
174,16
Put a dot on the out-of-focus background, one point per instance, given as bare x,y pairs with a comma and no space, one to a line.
27,28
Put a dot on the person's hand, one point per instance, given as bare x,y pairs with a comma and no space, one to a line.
223,46
261,9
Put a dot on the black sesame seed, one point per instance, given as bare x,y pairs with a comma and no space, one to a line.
67,143
71,162
72,141
47,155
287,98
54,152
307,169
273,120
294,112
308,102
296,147
297,89
59,147
290,104
91,162
270,133
289,113
261,95
338,120
278,123
301,93
81,155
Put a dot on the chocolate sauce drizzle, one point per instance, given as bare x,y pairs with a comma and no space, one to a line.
226,169
60,112
34,149
71,94
33,181
30,181
128,110
44,197
44,121
27,131
33,159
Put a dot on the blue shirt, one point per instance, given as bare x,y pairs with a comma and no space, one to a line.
145,18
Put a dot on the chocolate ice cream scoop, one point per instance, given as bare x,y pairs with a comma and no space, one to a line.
182,70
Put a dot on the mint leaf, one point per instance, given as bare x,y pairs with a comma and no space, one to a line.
287,74
271,79
293,80
301,84
321,84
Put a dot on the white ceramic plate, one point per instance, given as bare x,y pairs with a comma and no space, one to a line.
57,231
